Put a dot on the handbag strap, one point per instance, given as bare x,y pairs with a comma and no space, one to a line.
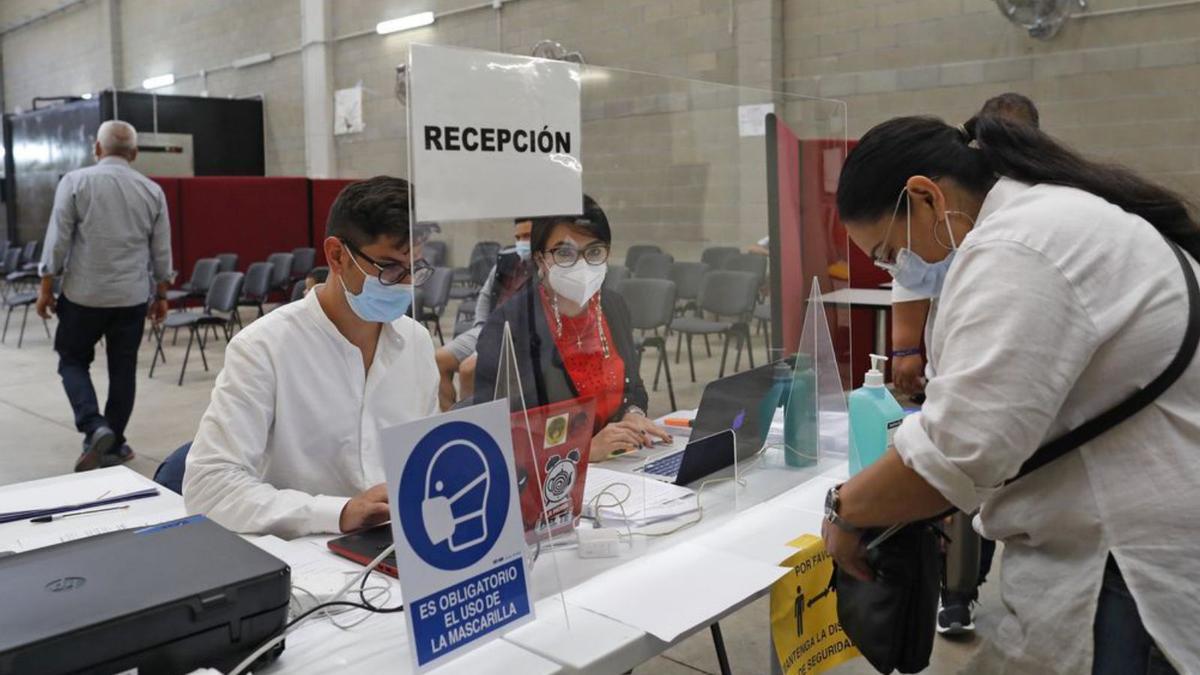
1141,398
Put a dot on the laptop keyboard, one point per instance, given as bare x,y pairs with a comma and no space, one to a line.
665,466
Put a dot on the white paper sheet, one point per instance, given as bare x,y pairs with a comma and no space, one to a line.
53,535
672,592
73,489
809,496
761,533
644,500
380,645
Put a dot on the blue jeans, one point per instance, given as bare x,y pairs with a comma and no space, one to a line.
79,329
1123,647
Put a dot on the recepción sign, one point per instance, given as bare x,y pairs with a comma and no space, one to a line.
493,135
457,526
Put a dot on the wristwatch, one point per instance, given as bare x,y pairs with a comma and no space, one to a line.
833,503
635,409
160,298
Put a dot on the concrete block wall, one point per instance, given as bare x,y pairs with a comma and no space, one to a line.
1120,87
62,56
664,158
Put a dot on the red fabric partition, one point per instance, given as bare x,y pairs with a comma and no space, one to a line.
825,241
170,187
324,192
248,215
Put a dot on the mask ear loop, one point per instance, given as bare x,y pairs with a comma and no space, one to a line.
908,217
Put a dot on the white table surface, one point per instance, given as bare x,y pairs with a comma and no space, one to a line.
865,297
755,520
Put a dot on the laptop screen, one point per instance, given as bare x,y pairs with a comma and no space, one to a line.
738,402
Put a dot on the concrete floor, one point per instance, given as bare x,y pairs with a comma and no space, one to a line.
40,440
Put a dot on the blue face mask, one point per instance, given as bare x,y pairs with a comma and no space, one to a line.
911,270
524,249
376,302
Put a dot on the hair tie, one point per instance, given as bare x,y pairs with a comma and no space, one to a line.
964,134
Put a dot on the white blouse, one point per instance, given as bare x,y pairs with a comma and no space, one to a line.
1058,305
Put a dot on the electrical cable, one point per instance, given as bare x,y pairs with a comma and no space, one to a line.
336,602
362,587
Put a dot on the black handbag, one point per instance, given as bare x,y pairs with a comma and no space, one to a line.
892,619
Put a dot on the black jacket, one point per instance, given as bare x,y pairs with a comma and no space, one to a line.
533,340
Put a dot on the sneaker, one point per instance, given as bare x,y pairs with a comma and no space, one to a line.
95,446
954,614
117,457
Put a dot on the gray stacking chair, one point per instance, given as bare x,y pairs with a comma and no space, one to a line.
636,251
228,262
222,299
653,266
256,287
434,253
747,262
281,275
432,298
26,299
714,256
303,259
614,276
651,305
687,277
297,291
725,294
483,259
197,285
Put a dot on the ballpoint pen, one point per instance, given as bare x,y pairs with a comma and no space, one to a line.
52,518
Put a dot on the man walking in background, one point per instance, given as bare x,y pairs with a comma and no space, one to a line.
109,232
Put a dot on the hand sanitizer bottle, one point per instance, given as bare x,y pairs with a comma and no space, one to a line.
874,417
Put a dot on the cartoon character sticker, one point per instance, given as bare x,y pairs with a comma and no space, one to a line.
556,430
561,474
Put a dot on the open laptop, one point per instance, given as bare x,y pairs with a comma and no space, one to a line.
727,424
551,472
561,434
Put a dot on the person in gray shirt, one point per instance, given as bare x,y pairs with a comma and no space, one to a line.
109,237
509,275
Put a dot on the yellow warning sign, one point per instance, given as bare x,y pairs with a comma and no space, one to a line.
804,623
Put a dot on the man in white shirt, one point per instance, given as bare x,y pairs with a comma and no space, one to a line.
289,444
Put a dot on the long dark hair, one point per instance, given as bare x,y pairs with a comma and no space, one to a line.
877,169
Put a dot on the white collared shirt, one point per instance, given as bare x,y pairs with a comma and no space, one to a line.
1057,306
292,429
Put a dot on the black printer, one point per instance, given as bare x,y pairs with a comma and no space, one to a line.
167,598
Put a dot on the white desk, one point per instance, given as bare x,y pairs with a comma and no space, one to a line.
872,298
751,523
379,644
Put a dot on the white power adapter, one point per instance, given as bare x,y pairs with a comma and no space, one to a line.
598,542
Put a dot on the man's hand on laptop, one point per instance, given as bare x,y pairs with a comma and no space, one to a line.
365,509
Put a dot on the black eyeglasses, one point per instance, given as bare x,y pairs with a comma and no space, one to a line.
391,274
566,255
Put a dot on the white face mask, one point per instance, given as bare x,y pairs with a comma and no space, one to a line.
579,282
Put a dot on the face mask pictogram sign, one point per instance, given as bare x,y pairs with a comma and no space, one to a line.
493,135
458,531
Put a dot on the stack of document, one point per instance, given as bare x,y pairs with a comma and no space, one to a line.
642,501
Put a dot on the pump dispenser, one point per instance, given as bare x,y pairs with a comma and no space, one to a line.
874,417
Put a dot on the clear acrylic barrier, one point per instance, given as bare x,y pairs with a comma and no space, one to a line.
721,198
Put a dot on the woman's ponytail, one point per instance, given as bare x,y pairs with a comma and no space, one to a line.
1023,153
